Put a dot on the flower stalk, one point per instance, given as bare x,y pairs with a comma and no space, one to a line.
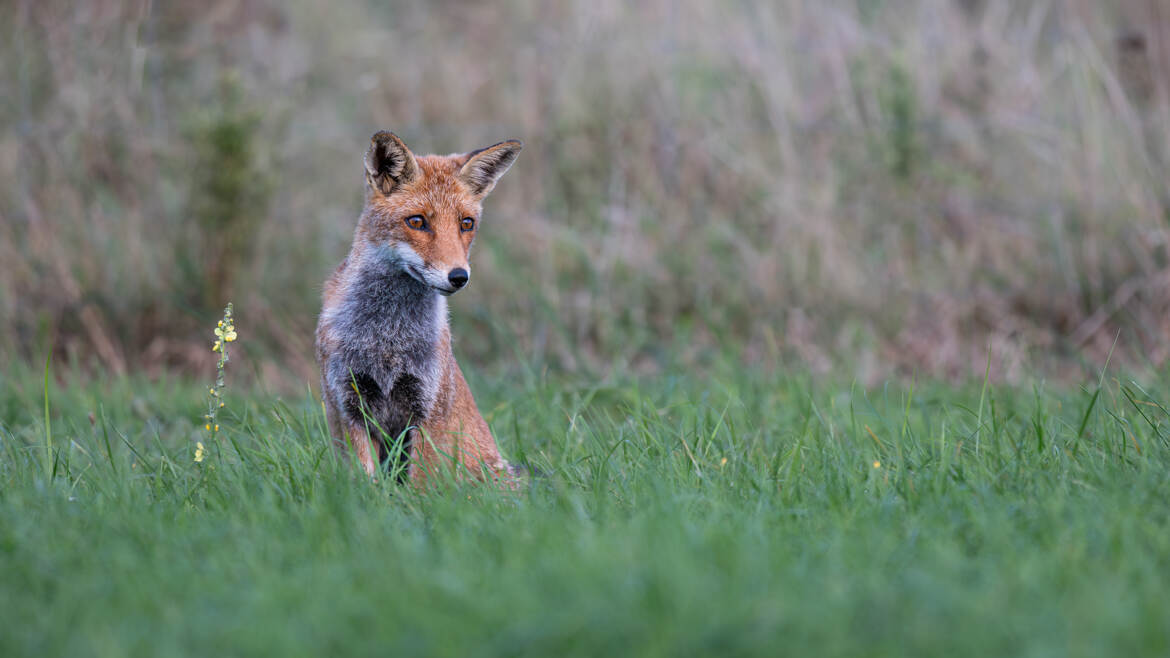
225,332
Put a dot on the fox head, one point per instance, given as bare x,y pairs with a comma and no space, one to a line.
422,212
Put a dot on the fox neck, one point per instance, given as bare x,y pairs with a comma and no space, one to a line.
393,342
383,295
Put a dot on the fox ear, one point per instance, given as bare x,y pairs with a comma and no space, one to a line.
389,163
485,166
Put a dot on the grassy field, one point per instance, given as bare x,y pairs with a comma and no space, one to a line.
744,513
734,303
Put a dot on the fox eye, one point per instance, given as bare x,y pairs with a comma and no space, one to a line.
467,224
416,222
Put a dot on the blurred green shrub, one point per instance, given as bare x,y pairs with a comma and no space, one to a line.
899,109
230,187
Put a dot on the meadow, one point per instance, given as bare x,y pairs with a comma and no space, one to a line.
828,328
747,513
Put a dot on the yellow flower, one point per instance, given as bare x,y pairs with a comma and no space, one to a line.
723,462
215,347
207,427
217,427
199,451
877,464
226,334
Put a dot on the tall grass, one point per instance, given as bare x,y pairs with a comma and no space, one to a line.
883,186
753,513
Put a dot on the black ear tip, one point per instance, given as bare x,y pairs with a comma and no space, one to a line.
386,137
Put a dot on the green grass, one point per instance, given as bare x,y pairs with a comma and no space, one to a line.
739,513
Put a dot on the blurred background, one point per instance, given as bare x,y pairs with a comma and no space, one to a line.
882,188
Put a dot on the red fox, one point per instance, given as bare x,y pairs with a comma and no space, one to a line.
383,342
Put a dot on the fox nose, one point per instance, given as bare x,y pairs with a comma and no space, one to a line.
458,277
